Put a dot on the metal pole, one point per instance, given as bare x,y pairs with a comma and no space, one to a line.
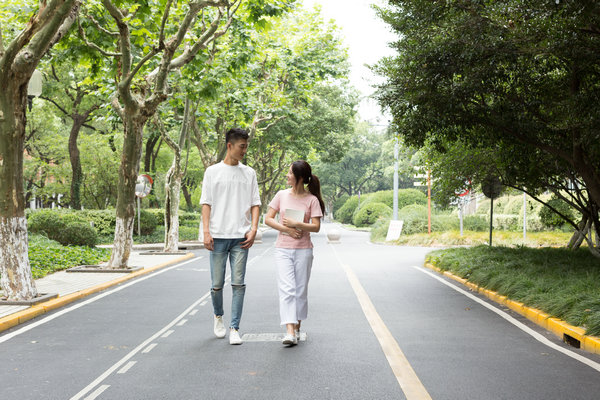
460,214
429,201
491,218
524,216
395,215
139,229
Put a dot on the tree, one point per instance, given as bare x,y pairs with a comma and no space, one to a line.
279,83
78,104
144,55
506,77
173,180
18,59
359,168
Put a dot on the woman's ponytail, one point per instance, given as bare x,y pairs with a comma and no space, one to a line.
314,187
302,170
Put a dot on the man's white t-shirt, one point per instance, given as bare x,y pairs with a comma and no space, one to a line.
230,191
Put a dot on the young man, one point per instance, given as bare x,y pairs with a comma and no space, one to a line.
230,210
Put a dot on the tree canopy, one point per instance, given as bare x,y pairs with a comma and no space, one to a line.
515,79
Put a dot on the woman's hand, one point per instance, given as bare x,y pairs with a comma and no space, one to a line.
290,223
293,232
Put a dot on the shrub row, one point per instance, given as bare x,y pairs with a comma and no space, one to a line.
82,228
376,205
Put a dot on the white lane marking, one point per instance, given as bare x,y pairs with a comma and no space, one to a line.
540,338
143,345
149,348
139,348
168,333
127,367
98,392
195,311
203,303
406,376
182,322
89,301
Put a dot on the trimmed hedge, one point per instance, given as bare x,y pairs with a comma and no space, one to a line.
349,211
65,227
370,213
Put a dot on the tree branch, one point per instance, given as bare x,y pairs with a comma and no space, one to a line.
94,45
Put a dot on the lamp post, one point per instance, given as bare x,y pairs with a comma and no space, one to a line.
395,216
34,89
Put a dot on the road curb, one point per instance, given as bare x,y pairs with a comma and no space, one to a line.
20,317
573,335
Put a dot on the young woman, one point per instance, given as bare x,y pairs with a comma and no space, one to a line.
294,255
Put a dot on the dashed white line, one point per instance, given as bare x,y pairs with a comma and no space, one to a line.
89,301
168,333
196,310
145,344
182,322
203,303
97,392
127,367
149,348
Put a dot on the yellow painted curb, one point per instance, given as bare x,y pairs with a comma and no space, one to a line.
557,326
12,320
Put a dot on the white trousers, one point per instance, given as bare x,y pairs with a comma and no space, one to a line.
293,273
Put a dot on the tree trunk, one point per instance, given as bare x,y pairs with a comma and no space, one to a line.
187,196
77,175
128,173
579,234
172,190
16,278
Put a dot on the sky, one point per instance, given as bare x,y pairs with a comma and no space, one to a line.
366,37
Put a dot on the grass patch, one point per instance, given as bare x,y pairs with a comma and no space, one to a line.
47,256
470,238
560,282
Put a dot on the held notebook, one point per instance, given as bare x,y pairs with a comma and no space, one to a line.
296,215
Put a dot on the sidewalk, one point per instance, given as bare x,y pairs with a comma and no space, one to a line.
72,286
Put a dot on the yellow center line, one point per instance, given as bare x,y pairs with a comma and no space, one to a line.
407,378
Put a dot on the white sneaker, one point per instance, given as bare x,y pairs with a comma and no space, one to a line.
219,327
234,337
289,340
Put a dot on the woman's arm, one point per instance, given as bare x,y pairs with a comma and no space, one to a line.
313,226
270,221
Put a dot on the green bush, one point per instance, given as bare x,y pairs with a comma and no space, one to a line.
514,205
370,213
405,197
344,214
148,222
47,256
102,220
475,223
552,220
78,234
338,203
65,227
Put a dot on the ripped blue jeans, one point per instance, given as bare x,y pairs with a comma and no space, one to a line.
224,248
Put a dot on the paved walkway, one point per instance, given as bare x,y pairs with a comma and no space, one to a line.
69,283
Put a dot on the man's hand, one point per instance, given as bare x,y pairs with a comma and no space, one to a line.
250,235
209,243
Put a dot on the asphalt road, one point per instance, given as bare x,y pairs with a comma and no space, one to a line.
380,327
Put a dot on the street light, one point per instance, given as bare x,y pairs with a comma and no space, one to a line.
34,89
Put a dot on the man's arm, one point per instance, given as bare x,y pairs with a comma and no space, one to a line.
251,234
208,240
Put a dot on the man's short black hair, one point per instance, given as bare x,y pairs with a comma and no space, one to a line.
235,134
